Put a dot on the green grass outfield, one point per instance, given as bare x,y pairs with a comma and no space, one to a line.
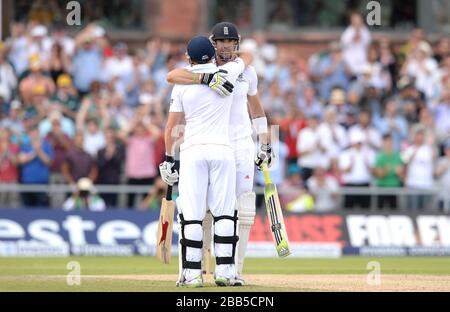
136,273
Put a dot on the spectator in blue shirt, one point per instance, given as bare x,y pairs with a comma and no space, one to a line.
35,158
308,103
393,123
54,115
87,63
333,71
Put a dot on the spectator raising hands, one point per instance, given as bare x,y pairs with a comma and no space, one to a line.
140,138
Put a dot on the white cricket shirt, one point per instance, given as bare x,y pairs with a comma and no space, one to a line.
246,84
207,114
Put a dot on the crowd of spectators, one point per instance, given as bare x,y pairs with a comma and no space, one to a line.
363,112
80,107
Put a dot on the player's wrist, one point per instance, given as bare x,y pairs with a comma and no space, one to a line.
260,125
169,158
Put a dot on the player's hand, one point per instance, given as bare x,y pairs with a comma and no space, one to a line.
217,82
168,173
264,155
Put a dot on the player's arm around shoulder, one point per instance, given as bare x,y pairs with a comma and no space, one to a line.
215,80
182,76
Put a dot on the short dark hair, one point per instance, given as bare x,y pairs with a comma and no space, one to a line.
387,136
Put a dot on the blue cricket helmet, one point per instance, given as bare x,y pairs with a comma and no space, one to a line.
200,50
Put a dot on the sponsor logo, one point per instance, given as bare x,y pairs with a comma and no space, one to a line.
24,233
125,233
302,228
398,230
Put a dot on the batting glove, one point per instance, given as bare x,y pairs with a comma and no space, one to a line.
217,82
264,155
167,171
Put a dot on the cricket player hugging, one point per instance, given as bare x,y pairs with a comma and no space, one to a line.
226,40
207,167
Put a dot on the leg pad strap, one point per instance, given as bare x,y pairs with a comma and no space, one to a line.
227,239
184,242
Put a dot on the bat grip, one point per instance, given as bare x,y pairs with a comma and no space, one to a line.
169,192
266,174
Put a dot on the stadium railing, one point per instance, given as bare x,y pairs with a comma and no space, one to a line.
435,201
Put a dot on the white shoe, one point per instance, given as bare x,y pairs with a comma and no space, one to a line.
193,283
222,281
225,281
238,281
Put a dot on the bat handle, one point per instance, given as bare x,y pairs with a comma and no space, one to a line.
169,192
266,173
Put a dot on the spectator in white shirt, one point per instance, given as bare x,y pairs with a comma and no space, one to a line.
423,68
371,136
355,41
373,74
8,80
419,159
324,188
40,43
332,136
17,45
309,150
357,165
443,175
94,138
120,65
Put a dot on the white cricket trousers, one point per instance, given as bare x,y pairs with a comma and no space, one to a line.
244,155
207,179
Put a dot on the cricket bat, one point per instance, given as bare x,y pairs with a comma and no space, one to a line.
275,215
164,236
207,240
